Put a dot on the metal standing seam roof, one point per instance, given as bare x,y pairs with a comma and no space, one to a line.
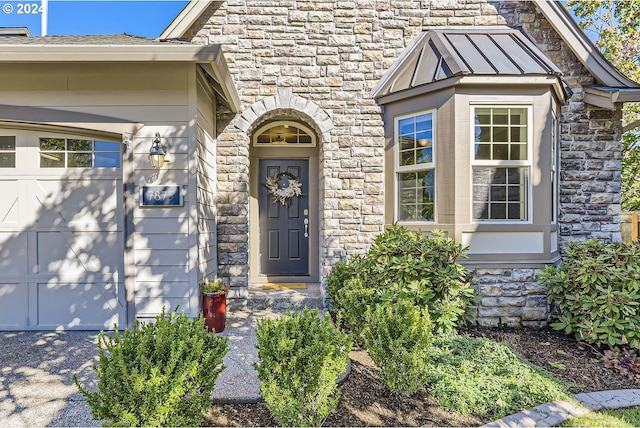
440,53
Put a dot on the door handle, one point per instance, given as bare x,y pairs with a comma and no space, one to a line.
306,227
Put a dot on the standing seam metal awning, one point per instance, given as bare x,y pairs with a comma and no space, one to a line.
438,54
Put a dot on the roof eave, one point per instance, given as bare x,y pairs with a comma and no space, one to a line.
419,90
210,56
219,71
608,97
16,53
185,19
494,80
584,49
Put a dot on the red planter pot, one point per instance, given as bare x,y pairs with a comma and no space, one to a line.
214,310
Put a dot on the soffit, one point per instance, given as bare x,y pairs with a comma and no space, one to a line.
438,54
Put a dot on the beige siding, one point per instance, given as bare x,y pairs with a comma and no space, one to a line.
161,96
206,161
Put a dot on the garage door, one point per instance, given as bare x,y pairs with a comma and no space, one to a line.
61,232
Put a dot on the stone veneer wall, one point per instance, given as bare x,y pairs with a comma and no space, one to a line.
330,53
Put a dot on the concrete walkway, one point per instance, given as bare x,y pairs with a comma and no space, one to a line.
37,390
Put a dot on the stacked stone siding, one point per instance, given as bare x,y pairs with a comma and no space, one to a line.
327,55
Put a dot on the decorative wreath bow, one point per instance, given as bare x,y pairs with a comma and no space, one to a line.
283,194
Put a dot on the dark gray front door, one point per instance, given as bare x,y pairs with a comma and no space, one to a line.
284,228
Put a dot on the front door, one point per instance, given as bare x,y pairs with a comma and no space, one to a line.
284,216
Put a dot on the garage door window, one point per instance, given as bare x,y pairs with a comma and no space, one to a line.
78,153
7,151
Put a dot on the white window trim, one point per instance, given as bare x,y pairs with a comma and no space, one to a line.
414,168
528,105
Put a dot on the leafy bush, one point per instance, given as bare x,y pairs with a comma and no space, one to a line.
402,265
597,292
397,338
478,376
157,374
300,357
340,273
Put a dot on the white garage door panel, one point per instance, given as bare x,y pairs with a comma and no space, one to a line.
82,205
13,253
14,305
9,213
91,305
78,252
61,244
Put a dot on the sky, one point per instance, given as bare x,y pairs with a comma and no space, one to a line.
146,18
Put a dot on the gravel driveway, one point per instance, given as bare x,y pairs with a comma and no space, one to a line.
36,385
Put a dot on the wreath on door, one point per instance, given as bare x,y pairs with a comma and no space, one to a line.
280,193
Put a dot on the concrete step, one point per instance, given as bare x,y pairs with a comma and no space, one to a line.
279,300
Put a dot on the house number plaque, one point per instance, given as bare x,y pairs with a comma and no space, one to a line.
161,196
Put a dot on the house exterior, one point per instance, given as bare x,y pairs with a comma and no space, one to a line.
295,132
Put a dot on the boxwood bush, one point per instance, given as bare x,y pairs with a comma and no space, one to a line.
300,358
597,292
157,374
398,338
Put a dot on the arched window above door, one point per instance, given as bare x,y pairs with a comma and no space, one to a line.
284,133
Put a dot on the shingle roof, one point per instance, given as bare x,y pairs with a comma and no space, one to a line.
439,53
114,39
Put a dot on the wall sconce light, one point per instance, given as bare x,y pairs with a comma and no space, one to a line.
156,153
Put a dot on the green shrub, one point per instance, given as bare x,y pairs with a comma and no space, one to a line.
405,265
597,292
354,300
340,273
300,357
157,374
478,376
397,338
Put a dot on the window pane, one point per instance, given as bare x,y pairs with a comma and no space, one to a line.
79,145
406,126
499,193
501,152
518,116
7,142
483,116
415,140
483,134
518,152
104,146
79,160
500,135
416,190
480,211
7,160
500,116
107,160
425,156
518,134
52,160
483,151
51,144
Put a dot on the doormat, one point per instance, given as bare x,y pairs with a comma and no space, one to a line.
284,286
